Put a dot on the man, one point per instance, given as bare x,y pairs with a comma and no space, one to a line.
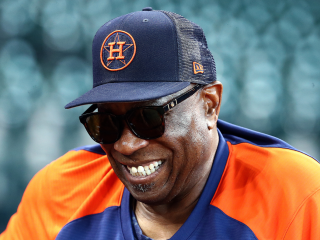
165,166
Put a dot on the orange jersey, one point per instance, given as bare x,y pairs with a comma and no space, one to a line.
259,188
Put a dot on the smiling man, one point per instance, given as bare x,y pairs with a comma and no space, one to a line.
165,167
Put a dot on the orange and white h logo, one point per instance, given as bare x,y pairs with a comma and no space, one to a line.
119,50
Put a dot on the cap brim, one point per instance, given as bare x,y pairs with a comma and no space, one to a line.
128,92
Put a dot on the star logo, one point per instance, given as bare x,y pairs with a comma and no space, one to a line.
117,51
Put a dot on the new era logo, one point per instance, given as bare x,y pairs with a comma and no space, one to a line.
197,68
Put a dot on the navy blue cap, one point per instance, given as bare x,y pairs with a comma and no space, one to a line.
146,55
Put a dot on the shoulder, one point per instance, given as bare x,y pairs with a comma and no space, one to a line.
269,157
82,182
267,177
78,175
71,177
63,174
79,183
79,162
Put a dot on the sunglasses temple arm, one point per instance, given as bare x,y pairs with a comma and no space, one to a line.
91,109
181,98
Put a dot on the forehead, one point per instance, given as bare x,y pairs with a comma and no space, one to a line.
155,102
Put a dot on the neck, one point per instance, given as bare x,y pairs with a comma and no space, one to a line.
163,221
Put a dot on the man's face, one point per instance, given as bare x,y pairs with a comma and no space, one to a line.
185,151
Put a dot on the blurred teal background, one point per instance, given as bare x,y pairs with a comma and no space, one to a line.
267,55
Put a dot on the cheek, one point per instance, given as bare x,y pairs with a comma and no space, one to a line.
188,135
177,125
186,127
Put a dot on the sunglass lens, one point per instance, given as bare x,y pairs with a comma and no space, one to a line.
147,123
103,128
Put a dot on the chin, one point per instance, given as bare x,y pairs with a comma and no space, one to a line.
147,194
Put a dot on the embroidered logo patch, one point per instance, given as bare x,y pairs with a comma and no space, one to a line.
117,50
197,68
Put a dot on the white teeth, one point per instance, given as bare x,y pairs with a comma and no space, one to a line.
146,170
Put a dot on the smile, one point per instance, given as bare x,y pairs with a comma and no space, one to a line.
144,170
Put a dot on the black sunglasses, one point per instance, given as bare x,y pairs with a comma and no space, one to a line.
145,122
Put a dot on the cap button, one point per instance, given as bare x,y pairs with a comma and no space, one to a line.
147,9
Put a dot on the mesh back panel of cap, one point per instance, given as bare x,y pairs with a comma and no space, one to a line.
192,47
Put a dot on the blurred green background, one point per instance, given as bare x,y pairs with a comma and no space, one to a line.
267,55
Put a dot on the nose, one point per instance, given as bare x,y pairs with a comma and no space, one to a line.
129,143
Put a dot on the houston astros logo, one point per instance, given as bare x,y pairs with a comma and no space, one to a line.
117,51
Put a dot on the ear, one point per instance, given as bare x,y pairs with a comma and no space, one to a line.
212,96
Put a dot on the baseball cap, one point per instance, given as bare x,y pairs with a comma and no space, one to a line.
146,55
